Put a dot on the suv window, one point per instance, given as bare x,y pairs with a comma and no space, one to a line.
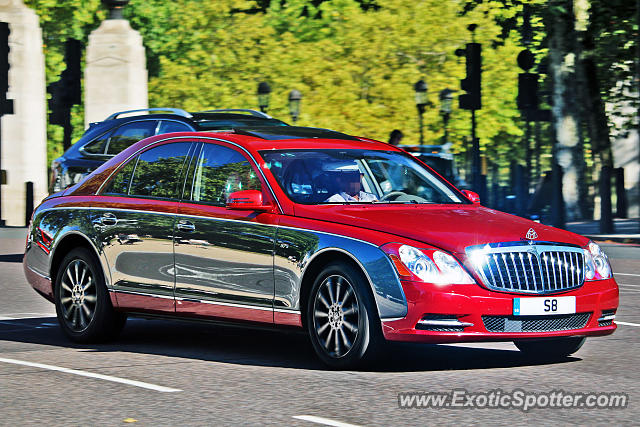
168,126
98,145
130,133
219,172
154,173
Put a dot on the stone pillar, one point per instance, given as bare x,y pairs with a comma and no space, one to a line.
24,133
115,76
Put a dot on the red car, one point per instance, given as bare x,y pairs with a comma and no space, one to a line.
351,239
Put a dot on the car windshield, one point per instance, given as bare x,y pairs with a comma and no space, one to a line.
356,176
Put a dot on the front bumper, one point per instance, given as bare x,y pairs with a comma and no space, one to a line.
469,303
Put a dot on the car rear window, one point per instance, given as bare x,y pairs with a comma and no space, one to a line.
130,133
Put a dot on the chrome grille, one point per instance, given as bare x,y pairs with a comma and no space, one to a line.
528,268
562,322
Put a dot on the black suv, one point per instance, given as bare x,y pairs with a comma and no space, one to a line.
105,139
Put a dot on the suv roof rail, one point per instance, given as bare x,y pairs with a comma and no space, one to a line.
177,111
239,110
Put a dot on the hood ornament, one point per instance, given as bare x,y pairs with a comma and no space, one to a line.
531,234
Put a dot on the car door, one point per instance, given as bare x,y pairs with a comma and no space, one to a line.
224,258
134,219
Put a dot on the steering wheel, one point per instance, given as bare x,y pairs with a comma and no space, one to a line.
394,194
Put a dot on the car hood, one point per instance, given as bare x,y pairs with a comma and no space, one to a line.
449,227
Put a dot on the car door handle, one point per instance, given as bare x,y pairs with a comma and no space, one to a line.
186,226
108,219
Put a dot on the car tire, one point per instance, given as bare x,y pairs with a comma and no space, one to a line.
83,306
550,348
342,319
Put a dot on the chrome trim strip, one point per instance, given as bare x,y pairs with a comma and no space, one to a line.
447,323
226,304
118,291
198,138
282,310
607,317
39,274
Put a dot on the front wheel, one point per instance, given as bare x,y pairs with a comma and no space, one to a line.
83,305
342,318
550,348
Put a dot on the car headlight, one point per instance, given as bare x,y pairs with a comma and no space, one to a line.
596,261
428,265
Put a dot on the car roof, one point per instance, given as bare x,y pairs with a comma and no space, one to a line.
295,138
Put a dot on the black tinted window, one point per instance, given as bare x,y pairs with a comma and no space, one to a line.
168,126
120,182
130,133
221,171
98,145
158,171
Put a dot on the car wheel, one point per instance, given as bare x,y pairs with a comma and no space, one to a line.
550,348
83,305
342,318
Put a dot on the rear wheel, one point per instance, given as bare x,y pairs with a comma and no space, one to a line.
342,318
83,305
550,348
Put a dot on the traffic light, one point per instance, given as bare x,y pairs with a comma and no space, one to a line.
528,91
67,91
6,105
472,84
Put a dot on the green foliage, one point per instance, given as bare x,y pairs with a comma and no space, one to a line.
355,62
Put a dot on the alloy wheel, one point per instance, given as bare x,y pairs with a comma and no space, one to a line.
78,295
336,315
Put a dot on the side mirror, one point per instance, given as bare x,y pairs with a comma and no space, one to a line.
247,200
472,196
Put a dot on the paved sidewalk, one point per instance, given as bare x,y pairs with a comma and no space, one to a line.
626,230
13,232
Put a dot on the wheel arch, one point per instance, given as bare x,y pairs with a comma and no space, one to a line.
65,244
317,263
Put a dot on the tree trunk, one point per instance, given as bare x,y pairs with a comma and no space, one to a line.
569,152
594,112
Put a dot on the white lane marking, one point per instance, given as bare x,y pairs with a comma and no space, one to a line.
626,274
92,375
6,318
628,284
627,323
323,421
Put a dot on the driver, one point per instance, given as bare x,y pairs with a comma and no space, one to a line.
348,179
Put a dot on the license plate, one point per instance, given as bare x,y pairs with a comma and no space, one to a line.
543,306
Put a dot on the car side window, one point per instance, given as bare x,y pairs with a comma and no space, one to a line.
119,185
130,133
168,126
219,172
157,172
98,145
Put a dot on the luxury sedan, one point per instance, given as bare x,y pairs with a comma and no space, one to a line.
352,240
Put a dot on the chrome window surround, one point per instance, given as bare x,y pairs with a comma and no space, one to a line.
528,267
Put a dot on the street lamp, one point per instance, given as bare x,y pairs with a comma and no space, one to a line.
264,90
446,99
294,104
115,8
420,88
